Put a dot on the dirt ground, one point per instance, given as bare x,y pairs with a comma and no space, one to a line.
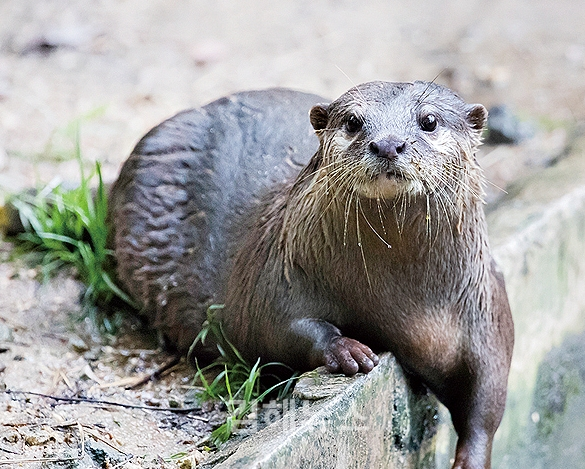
119,67
46,349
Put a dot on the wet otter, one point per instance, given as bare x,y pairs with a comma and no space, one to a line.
380,239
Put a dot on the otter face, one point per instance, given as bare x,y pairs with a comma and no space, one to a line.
400,138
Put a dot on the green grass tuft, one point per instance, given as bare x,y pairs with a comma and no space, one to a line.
236,383
67,228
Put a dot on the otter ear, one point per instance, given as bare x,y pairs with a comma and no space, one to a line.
319,116
477,116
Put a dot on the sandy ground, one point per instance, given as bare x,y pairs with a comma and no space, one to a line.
121,66
46,349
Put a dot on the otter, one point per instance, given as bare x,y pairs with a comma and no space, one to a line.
371,236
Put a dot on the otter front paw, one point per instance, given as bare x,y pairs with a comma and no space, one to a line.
349,356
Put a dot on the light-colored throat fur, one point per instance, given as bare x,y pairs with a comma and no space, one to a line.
327,213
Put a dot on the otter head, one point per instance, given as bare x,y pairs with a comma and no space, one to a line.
382,140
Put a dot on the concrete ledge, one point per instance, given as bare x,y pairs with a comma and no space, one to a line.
538,235
372,421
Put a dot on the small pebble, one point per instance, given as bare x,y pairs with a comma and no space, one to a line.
6,334
11,437
37,439
78,344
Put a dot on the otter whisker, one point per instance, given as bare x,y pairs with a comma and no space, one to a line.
440,202
346,220
444,183
343,178
355,91
379,206
455,183
372,227
487,181
400,213
323,168
461,182
359,240
428,218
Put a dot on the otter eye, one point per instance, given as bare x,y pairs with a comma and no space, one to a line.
428,123
353,124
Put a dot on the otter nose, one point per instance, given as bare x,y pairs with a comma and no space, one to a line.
389,147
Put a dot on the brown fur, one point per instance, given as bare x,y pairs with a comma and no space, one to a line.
379,241
403,267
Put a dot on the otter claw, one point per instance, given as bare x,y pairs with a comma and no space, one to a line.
349,356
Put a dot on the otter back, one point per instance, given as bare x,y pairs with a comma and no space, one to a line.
179,202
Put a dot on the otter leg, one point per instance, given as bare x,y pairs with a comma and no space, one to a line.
476,404
477,395
326,346
476,434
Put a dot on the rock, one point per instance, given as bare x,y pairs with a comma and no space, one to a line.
503,127
319,384
538,239
6,334
78,344
378,413
38,438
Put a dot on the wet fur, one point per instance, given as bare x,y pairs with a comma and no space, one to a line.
339,255
410,272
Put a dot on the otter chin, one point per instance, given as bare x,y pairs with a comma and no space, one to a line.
385,186
283,208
